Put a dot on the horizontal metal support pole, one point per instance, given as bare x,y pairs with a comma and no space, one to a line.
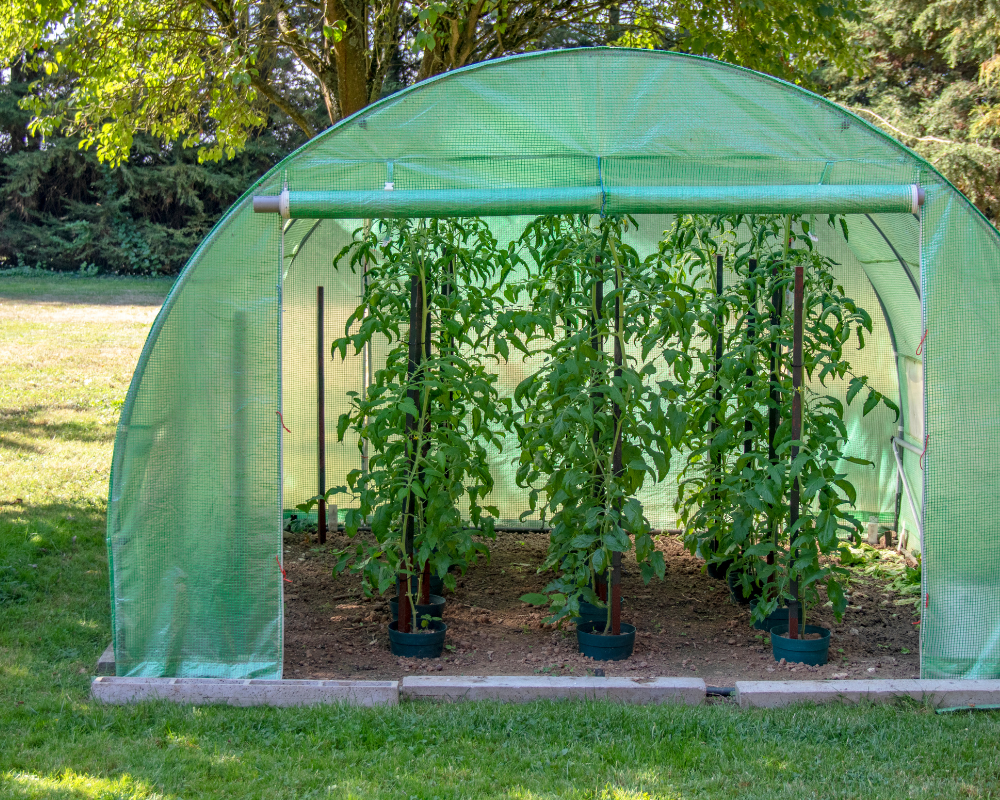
506,202
908,445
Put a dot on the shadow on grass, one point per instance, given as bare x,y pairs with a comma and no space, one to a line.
24,422
49,551
101,290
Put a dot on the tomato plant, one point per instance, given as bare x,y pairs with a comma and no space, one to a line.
433,411
740,469
591,421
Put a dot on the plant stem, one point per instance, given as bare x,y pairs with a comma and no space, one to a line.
793,616
413,363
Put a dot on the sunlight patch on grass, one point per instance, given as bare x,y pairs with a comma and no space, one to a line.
180,740
618,793
72,784
12,671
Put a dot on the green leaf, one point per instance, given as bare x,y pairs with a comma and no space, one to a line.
857,384
342,424
535,599
407,406
870,402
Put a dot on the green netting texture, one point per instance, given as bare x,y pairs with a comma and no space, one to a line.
202,468
193,513
960,629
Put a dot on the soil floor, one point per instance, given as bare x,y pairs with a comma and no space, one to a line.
686,625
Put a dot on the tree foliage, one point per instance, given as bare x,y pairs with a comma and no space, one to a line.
62,209
205,72
930,79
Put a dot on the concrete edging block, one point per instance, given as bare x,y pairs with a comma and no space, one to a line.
250,692
106,663
523,689
941,693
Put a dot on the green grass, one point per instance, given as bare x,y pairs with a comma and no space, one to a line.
64,371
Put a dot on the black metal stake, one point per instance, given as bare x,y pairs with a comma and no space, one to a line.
751,336
448,288
320,417
793,516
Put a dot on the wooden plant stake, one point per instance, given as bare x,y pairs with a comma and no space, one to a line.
716,366
617,468
793,511
425,583
774,413
320,417
597,343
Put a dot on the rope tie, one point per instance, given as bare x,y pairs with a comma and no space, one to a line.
920,347
921,461
282,421
284,577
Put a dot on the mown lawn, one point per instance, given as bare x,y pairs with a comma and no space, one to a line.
67,349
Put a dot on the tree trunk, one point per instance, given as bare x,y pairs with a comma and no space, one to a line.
350,53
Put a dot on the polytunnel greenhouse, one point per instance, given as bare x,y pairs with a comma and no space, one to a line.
217,437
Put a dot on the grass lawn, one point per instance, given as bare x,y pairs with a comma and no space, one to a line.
67,349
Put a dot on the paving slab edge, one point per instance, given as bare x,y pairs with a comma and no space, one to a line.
243,692
526,688
940,693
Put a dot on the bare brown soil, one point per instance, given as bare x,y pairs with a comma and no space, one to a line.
686,625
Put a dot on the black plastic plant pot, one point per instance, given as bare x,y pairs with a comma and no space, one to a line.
601,647
718,571
427,644
813,652
777,617
437,586
434,609
736,590
591,613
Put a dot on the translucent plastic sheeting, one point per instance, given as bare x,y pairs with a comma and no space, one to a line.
196,487
193,510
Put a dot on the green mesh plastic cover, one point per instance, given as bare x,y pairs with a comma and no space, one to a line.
203,466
